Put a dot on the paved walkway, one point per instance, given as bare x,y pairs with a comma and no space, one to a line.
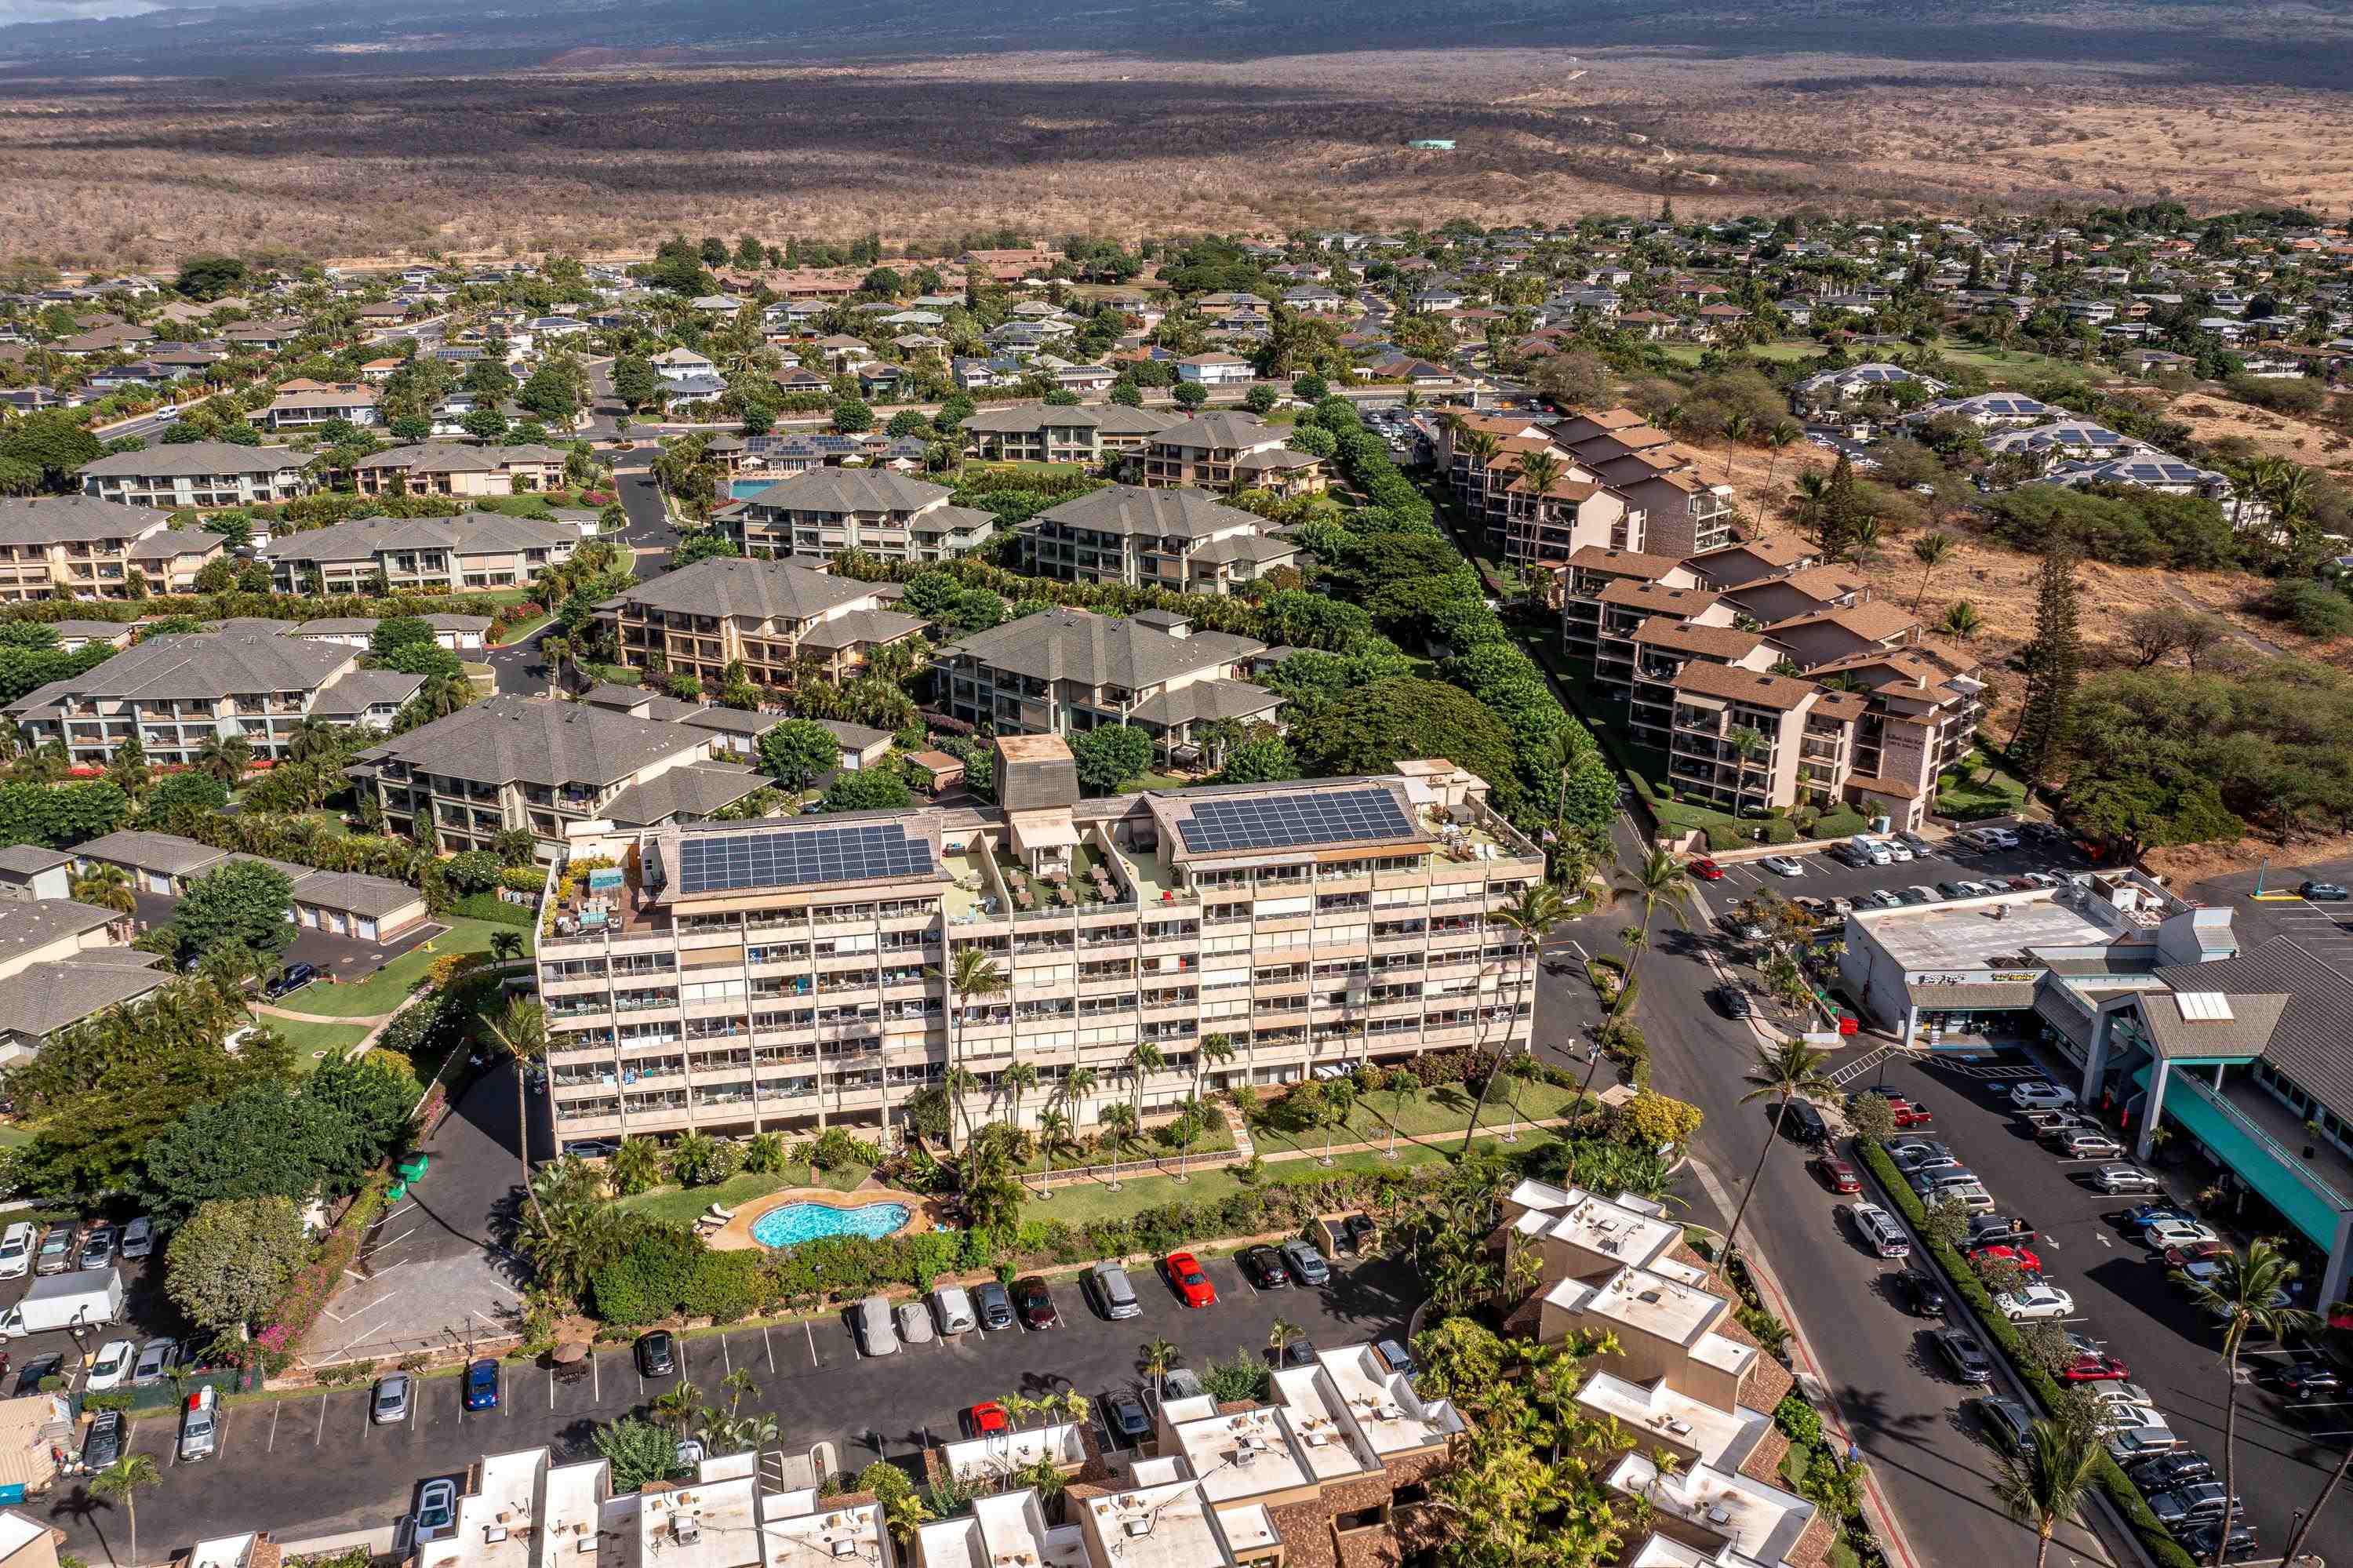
268,1010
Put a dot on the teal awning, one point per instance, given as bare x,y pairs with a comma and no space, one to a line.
2274,1172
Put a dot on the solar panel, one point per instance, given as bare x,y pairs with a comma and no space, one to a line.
1279,821
869,852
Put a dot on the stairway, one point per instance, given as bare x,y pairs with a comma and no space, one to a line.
1869,1061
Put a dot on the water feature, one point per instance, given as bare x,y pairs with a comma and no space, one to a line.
789,1225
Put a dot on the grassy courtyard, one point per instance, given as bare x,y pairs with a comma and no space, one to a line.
383,991
309,1039
683,1205
1437,1117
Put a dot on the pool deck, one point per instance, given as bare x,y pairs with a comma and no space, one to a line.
735,1236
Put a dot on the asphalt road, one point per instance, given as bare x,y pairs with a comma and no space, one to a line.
651,532
2326,929
313,1466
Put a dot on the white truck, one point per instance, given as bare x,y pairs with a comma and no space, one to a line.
85,1298
1867,850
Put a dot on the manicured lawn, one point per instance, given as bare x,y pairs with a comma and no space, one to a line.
15,1133
383,990
683,1205
1990,793
523,628
1218,1138
1156,781
307,1037
1080,1202
2008,365
1438,1118
973,471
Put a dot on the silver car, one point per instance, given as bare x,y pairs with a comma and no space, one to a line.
876,1337
1114,1295
392,1399
139,1237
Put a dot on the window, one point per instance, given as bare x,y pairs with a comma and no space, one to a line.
1359,1518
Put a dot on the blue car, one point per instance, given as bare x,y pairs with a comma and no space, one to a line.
482,1384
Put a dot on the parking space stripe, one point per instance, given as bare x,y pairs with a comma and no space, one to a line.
771,1346
275,1411
320,1435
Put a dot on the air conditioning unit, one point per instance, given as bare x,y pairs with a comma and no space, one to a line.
845,1547
683,1530
1137,1527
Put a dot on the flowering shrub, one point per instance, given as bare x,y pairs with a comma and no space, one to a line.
272,1349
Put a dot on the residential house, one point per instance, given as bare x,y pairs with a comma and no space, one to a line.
683,364
823,510
201,476
303,405
1179,540
1215,370
448,555
170,558
771,616
59,962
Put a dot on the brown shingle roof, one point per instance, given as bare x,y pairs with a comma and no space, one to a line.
1716,641
1625,563
1743,685
1658,599
1875,619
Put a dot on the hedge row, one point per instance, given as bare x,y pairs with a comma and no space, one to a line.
273,1349
2155,1539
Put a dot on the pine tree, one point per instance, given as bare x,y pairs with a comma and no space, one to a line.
1841,509
2053,662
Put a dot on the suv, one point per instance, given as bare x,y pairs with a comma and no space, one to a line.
1879,1230
2113,1179
2042,1093
16,1250
296,977
57,1249
139,1237
1113,1293
2012,1424
200,1424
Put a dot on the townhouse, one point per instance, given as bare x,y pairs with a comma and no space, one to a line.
1228,453
170,558
471,550
1179,540
201,476
824,511
772,617
457,633
305,405
546,768
343,903
455,468
72,546
60,962
785,974
1063,672
176,691
1034,432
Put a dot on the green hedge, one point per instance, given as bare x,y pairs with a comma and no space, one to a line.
491,908
1841,823
2162,1549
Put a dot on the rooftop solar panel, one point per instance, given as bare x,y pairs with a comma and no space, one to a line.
1280,822
869,852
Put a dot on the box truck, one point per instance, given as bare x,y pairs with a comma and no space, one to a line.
85,1298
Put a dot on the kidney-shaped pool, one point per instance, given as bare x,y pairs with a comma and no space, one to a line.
789,1225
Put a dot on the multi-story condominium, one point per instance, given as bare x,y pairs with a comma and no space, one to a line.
471,550
71,546
824,511
200,476
784,974
547,766
1034,432
1622,485
302,404
1226,453
454,468
1686,1385
170,558
771,616
1067,671
176,691
1721,657
1175,539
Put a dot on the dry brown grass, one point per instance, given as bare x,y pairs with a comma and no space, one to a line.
2212,418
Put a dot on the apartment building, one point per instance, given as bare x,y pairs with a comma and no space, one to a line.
1034,432
61,961
72,546
782,974
1226,452
1179,540
1066,671
305,405
455,468
1622,485
471,550
200,476
824,511
771,616
176,691
169,559
547,766
1689,1391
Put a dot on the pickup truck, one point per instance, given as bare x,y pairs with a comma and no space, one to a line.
2050,1123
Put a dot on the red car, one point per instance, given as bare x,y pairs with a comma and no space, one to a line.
2023,1257
1834,1173
1907,1113
2092,1367
986,1420
2194,1251
1184,1274
1704,868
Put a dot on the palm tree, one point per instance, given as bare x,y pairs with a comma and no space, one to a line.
677,1407
225,757
1520,1069
1814,489
1783,433
521,1028
1017,1078
1661,881
123,1481
1120,1117
1145,1057
1278,1336
2249,1293
1403,1089
971,974
1791,1069
1931,550
1159,1355
1077,1085
1217,1049
1530,915
1962,622
1339,1105
1863,540
506,946
2042,1482
960,1081
1054,1135
106,887
555,650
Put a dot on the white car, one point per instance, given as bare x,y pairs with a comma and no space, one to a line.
2001,838
1783,866
1897,852
2042,879
436,1510
2034,1301
16,1250
2177,1233
112,1367
2042,1093
2120,1417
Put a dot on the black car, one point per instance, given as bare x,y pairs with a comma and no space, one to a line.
1125,1418
1262,1265
656,1354
992,1305
2303,1374
296,977
1734,1001
2164,1472
1036,1304
1919,1295
2200,1542
1298,1353
1356,1231
2322,892
30,1375
1964,1356
1801,1122
104,1444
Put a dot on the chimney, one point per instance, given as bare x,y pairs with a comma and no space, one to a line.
1035,773
1163,620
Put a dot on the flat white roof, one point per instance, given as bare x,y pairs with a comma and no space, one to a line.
220,1552
1391,1416
1170,1526
1324,1433
1965,935
1760,1521
1242,1456
1666,1551
701,1524
1599,1226
1005,1452
1662,1307
496,1523
800,1531
1722,1437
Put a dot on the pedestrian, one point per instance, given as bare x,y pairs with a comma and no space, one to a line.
1853,1454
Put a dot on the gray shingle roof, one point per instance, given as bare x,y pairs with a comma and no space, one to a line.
375,897
529,740
2308,1042
1119,419
1024,418
24,926
29,860
209,665
696,791
1133,510
861,626
1205,700
458,457
467,534
848,490
1222,430
1094,650
62,519
47,997
196,458
747,590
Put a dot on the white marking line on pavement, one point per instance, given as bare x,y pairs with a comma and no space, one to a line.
595,1379
1581,949
320,1435
771,1346
810,1334
726,1358
356,1338
275,1412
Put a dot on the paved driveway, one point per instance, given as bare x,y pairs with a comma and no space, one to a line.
313,1466
348,959
2326,929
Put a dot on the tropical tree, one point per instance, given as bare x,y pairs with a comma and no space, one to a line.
123,1481
1519,1069
2042,1482
1931,550
971,974
1788,1070
1215,1050
1403,1089
506,946
637,1165
1661,881
1144,1058
520,1028
1962,623
959,1081
677,1406
2247,1294
1159,1355
1339,1103
225,757
1530,915
1278,1336
106,887
1016,1079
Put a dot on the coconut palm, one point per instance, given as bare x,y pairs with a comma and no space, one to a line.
1015,1080
1520,1069
960,1081
123,1481
1931,550
1962,622
1216,1049
1144,1058
106,887
1661,881
2042,1482
521,1028
1278,1336
1159,1355
225,757
1784,1072
2246,1294
970,975
1077,1085
1403,1089
1530,915
506,946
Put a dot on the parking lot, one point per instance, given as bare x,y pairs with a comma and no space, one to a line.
2324,928
2123,1297
313,1465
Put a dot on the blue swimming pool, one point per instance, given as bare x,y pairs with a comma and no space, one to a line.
796,1222
745,489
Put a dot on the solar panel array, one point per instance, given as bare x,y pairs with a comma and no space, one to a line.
870,852
1279,821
